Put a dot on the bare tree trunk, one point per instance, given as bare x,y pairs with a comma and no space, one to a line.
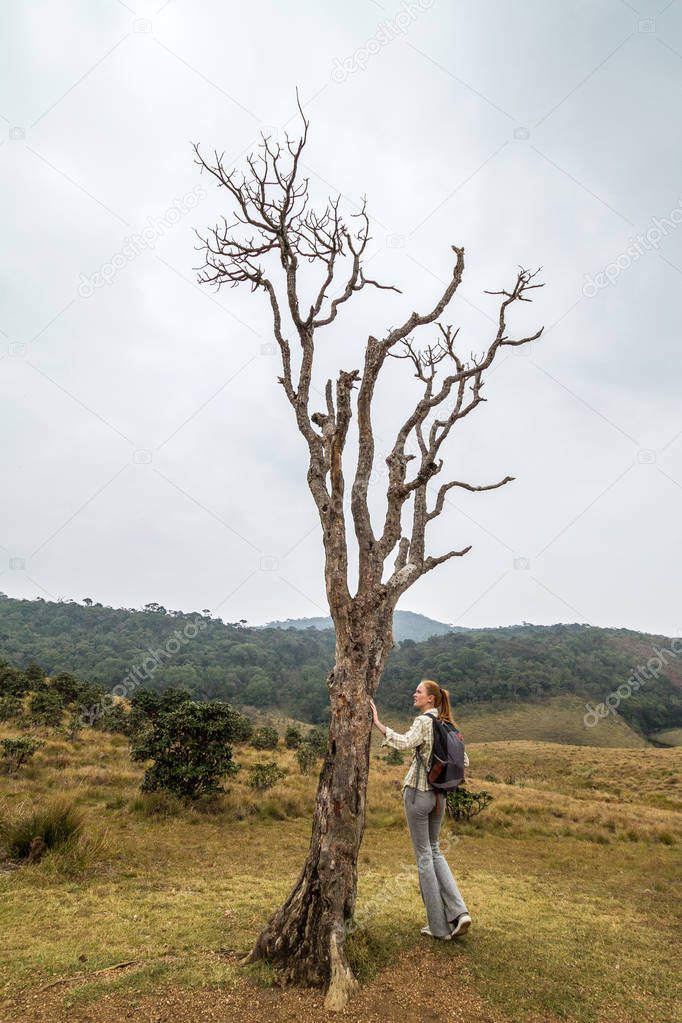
305,938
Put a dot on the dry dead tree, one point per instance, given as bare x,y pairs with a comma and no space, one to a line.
272,236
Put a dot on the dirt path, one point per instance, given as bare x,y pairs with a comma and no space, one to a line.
421,986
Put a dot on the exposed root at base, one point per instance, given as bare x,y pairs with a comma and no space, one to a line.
250,957
342,983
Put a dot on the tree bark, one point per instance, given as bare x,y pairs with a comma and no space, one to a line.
305,938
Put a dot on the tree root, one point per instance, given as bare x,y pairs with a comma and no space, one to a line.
342,983
250,957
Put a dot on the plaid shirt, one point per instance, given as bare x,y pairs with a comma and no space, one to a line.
419,738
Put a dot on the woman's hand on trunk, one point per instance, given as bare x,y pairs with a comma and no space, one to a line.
375,716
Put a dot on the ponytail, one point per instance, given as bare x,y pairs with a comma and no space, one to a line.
442,701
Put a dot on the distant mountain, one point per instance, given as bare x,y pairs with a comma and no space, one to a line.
406,625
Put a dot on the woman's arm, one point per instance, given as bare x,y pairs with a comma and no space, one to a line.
407,740
401,740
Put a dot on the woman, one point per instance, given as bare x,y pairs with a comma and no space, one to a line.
446,911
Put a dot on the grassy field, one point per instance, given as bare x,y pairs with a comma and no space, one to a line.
571,876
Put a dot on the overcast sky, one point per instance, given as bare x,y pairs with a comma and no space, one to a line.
151,455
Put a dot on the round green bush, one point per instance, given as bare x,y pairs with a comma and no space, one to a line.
305,757
265,738
263,776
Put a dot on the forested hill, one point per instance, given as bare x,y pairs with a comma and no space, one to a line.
285,670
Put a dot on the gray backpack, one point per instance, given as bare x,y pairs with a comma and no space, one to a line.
445,771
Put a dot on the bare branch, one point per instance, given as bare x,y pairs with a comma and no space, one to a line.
445,487
417,320
467,378
356,280
273,228
431,563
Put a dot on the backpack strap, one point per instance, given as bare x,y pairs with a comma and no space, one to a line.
419,754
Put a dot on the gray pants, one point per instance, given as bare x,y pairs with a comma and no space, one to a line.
439,891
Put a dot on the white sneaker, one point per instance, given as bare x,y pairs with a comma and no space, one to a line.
460,925
441,937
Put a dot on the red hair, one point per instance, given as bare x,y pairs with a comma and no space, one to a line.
441,700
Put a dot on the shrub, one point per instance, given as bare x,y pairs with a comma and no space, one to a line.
89,702
305,757
462,804
394,757
67,686
114,720
32,832
172,698
13,682
150,705
10,707
46,708
190,748
17,752
264,776
265,738
243,728
145,703
136,722
73,727
35,676
292,737
146,706
317,737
